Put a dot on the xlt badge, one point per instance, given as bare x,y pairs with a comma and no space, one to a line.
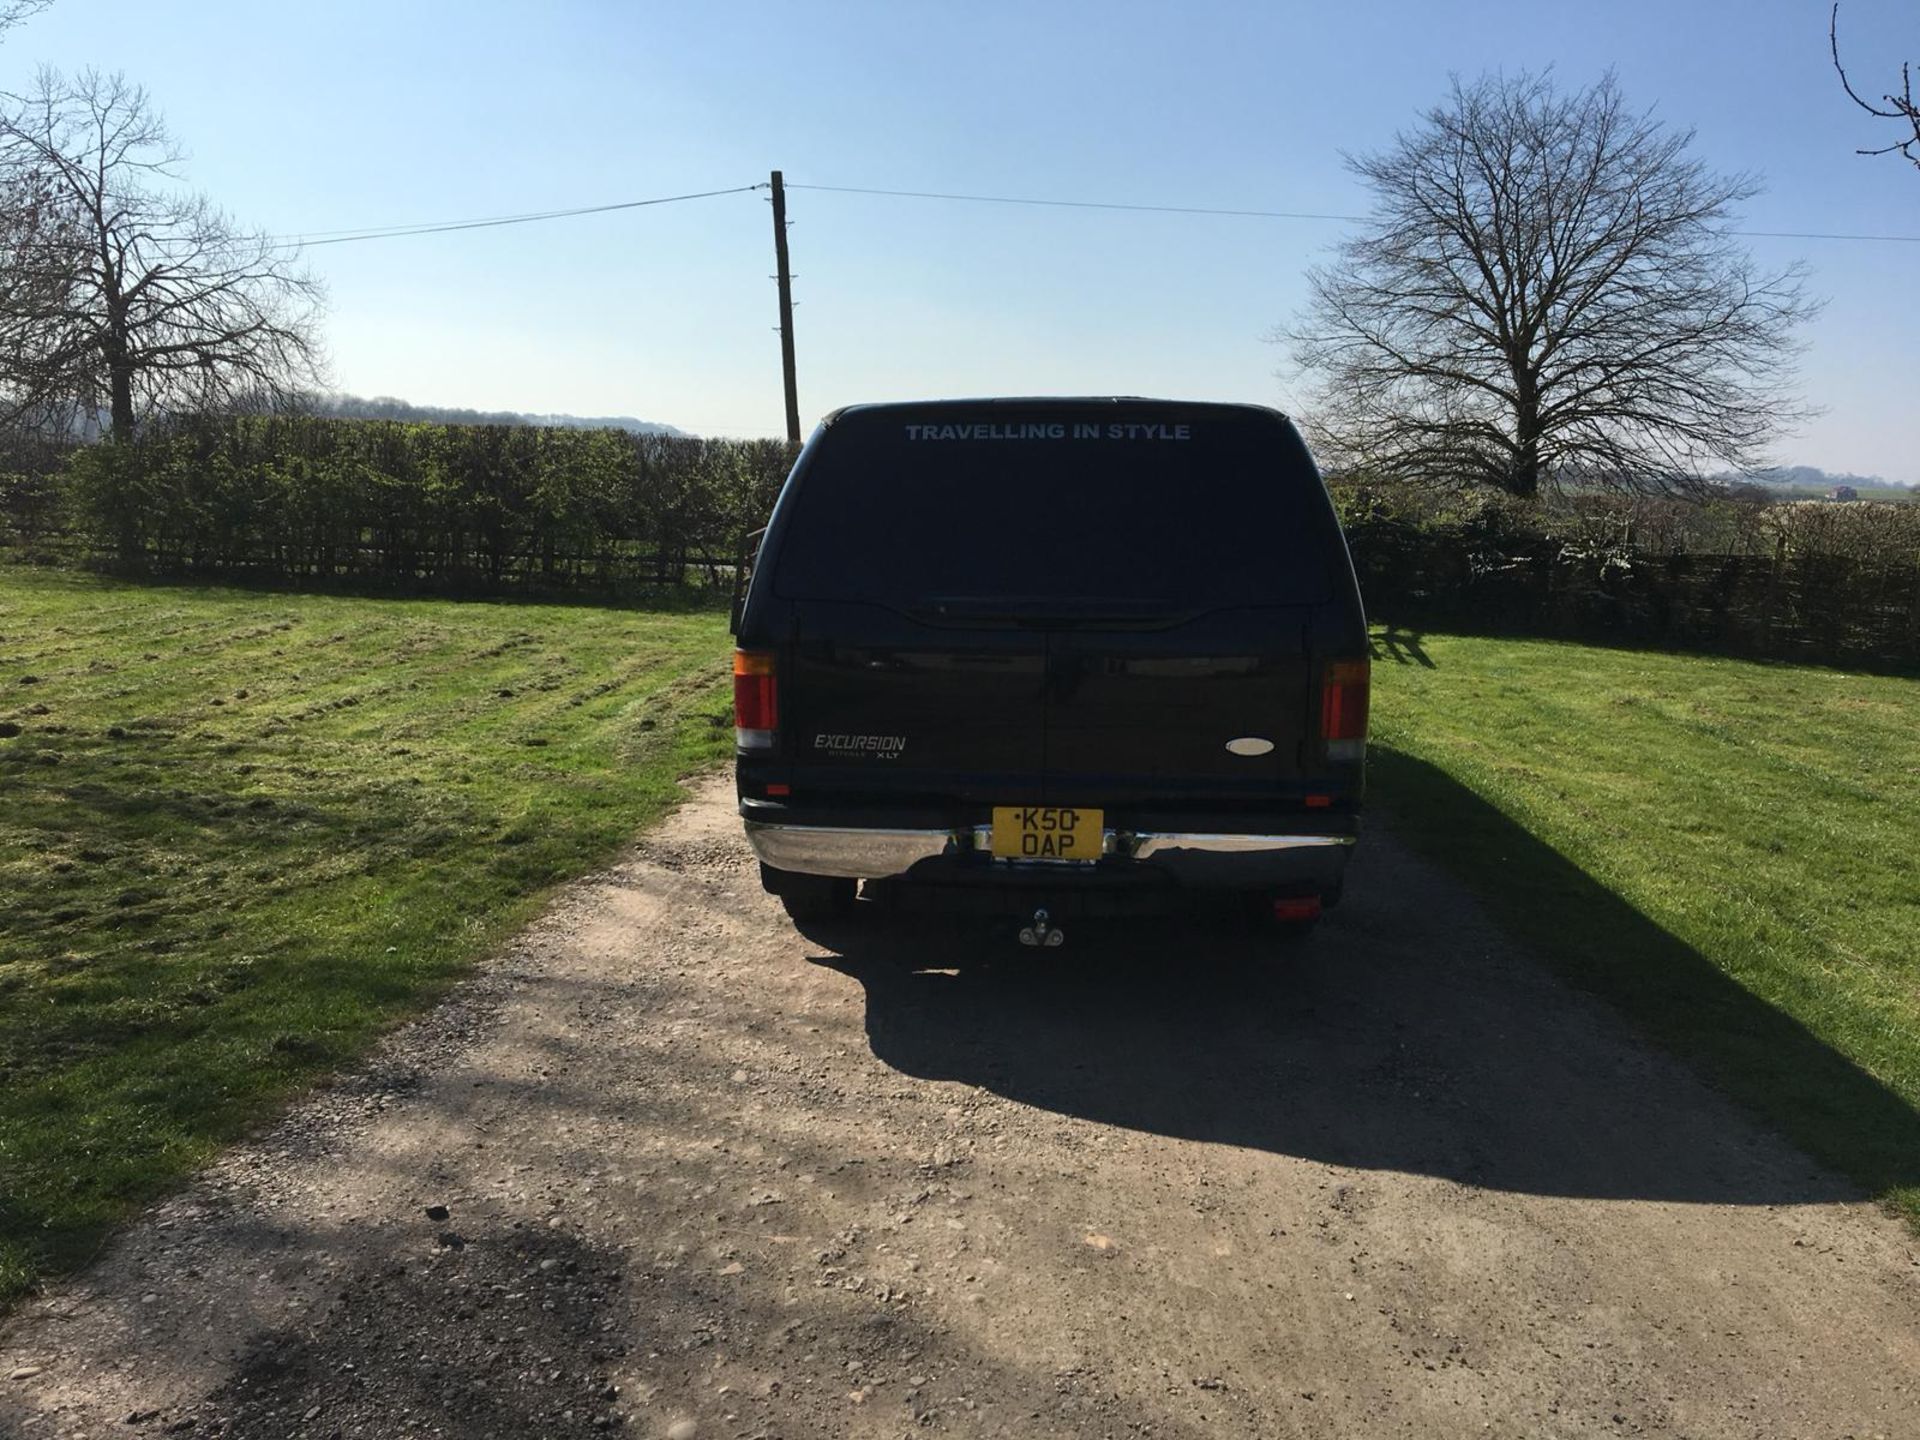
880,747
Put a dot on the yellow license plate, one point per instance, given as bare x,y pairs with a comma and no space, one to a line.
1046,832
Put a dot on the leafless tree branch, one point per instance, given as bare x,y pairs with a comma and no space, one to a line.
142,296
1546,295
12,12
1901,108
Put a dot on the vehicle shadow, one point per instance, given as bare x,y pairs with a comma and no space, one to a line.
1411,1034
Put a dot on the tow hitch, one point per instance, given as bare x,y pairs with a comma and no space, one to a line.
1042,935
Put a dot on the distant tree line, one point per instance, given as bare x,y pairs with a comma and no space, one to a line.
1801,580
454,508
387,407
491,510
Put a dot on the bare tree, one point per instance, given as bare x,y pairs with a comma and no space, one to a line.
12,12
37,260
171,305
42,254
1902,109
1546,294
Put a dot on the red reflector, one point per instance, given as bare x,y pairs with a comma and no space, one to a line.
1319,802
1297,907
756,700
1343,701
779,789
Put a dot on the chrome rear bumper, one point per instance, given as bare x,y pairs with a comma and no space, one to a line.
1217,859
848,853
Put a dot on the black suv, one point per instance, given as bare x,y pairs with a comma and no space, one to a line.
1052,657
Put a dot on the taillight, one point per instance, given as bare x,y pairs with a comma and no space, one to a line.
1343,709
756,700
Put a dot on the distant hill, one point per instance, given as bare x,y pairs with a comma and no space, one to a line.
386,407
1812,477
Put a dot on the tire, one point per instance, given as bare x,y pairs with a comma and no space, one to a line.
818,897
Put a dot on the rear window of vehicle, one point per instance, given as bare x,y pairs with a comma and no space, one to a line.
1181,509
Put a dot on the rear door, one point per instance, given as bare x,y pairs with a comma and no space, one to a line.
898,685
1225,529
910,710
1058,602
1212,710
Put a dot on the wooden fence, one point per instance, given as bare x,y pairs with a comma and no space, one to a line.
1788,600
498,509
312,500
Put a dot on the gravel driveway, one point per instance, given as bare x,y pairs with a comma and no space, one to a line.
668,1168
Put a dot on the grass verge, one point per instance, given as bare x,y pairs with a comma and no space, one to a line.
1724,850
243,833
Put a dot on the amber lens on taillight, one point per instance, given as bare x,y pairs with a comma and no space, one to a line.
756,700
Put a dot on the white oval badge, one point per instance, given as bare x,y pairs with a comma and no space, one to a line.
1250,745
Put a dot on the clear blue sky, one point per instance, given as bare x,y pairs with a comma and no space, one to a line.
321,117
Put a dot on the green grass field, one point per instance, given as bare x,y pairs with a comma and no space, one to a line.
240,833
1727,851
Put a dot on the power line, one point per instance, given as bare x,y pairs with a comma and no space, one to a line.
1264,214
394,232
1821,235
1084,204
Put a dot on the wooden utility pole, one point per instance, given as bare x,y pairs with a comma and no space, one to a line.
786,308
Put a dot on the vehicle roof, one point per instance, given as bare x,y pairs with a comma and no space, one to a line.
1022,402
